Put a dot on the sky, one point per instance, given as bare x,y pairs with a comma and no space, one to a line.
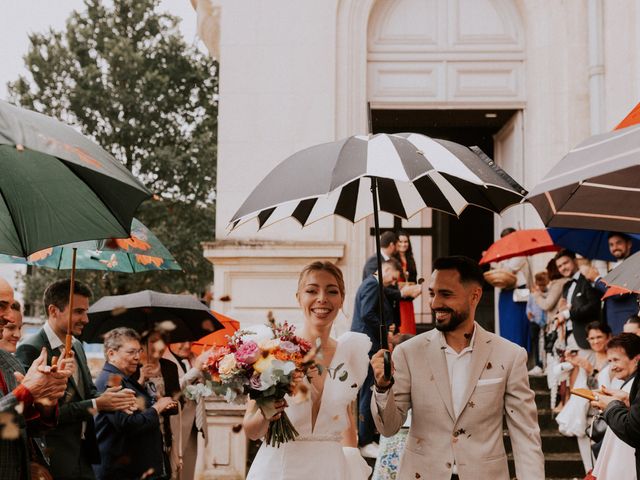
19,18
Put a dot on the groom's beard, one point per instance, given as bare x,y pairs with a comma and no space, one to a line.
455,319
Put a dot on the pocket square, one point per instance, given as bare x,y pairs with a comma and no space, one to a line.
489,381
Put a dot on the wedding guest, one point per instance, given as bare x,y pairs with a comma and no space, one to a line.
192,421
549,298
632,325
617,458
27,399
537,322
408,274
580,302
512,314
160,378
11,333
366,319
130,442
590,372
617,308
73,439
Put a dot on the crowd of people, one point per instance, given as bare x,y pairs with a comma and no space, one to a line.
123,426
439,415
582,337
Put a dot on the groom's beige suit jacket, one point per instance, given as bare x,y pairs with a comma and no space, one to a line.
498,387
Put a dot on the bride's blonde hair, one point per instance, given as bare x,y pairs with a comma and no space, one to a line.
323,266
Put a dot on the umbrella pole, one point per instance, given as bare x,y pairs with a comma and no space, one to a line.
69,337
383,326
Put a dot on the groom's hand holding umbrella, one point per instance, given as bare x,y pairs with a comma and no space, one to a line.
382,381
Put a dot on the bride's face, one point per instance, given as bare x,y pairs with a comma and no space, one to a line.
320,298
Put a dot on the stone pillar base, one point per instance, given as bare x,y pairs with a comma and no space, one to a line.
225,456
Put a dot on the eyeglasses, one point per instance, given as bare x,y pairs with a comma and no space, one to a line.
132,352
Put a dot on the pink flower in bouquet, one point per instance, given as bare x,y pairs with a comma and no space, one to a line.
248,352
289,347
255,383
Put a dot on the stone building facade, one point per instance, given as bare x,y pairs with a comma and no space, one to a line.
524,79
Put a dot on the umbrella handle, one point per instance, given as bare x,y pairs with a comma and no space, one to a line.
387,365
69,337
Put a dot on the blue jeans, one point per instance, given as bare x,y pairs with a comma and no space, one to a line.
366,428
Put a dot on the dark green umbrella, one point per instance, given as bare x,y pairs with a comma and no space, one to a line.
57,186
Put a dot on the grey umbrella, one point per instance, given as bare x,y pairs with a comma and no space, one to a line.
595,186
396,173
626,275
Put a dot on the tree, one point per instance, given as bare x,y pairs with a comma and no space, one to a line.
124,76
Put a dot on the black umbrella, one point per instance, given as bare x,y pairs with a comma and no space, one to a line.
595,186
145,310
360,175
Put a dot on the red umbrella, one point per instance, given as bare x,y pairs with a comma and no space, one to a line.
632,118
614,290
219,337
520,243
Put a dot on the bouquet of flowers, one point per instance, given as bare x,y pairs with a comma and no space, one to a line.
260,364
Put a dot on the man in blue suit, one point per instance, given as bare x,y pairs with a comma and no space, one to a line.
366,319
617,308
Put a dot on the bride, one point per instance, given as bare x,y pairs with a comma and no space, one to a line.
326,445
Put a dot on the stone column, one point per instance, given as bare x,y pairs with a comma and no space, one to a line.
225,456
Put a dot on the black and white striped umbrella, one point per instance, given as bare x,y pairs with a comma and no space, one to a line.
595,186
412,171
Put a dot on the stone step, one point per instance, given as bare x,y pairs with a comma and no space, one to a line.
557,465
543,399
552,442
546,420
538,383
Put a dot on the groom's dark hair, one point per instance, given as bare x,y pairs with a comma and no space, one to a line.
469,270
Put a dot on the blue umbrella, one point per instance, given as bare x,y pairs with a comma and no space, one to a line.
593,244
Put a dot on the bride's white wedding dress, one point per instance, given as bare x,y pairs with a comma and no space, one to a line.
317,453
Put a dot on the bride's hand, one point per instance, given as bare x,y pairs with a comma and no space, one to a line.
296,380
279,406
313,372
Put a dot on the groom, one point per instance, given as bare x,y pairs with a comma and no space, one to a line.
459,381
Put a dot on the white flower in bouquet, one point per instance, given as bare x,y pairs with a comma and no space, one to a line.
228,365
277,372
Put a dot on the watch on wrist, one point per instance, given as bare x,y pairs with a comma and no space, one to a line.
380,389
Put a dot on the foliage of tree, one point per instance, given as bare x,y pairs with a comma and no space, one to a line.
123,75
